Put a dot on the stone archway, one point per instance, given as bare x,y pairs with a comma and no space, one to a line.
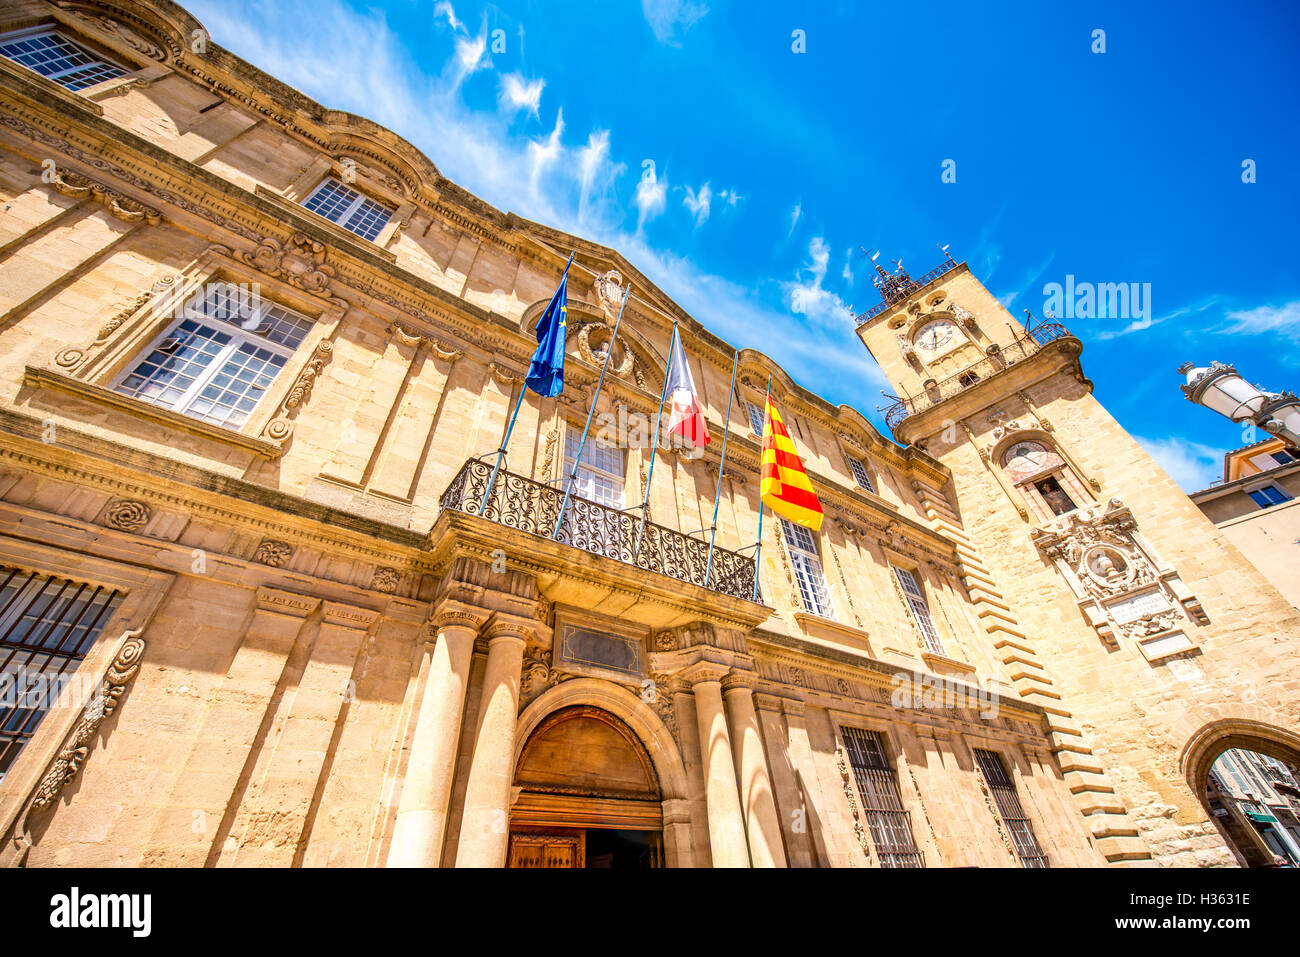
1212,731
632,726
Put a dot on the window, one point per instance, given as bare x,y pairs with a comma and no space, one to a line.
600,471
1283,457
1008,802
47,625
755,418
1268,496
920,609
860,473
967,379
350,209
1057,499
54,56
891,829
215,364
808,569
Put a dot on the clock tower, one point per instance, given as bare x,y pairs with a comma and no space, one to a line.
1151,643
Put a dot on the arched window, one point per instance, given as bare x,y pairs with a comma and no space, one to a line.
1045,479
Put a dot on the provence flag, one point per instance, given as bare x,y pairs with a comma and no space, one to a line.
784,486
546,372
686,418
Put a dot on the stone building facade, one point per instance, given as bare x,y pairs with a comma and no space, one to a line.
1257,506
255,357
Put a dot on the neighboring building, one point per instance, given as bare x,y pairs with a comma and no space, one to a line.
255,357
1260,797
1257,506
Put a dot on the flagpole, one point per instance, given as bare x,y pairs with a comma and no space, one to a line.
717,492
758,547
577,456
501,452
654,443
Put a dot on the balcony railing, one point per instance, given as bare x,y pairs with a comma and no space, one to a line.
520,503
985,368
895,292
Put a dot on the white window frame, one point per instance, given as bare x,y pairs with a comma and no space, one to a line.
808,572
919,607
755,412
58,76
194,311
595,473
348,212
860,474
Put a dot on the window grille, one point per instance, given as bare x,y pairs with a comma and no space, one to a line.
350,209
1008,803
47,624
920,610
53,55
889,823
861,475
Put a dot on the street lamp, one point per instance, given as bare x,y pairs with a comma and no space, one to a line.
1221,389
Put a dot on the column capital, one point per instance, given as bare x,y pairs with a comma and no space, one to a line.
450,612
739,681
503,625
348,616
286,602
704,671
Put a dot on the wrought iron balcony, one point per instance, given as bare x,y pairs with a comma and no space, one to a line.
1021,348
898,287
532,507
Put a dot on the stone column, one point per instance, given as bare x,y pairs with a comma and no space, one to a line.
762,824
794,814
484,828
426,790
726,819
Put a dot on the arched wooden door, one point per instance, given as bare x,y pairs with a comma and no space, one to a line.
588,795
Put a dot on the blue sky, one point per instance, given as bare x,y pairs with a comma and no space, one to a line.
771,167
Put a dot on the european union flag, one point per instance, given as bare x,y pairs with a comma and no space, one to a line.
546,372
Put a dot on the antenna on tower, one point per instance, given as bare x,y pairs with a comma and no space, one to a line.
944,249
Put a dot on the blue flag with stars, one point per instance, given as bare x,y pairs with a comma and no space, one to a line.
546,372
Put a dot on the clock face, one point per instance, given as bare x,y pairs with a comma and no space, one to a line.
1026,457
935,335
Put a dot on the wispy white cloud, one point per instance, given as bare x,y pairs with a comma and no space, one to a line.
1185,312
444,9
807,296
543,153
597,177
796,214
1192,465
516,93
730,197
1283,320
669,19
698,203
651,194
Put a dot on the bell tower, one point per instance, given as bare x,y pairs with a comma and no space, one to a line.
1113,601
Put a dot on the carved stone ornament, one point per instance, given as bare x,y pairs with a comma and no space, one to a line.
846,777
1120,584
964,316
658,694
623,360
281,427
120,206
537,676
385,580
610,293
111,26
273,553
127,516
79,741
299,262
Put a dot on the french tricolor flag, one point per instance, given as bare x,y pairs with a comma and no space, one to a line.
687,418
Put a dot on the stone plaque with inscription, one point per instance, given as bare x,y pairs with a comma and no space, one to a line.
583,648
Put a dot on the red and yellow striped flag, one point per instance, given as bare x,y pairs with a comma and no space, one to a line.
785,487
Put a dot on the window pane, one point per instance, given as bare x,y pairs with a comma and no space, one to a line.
171,370
860,475
889,823
1003,789
755,418
920,610
53,55
808,574
347,207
